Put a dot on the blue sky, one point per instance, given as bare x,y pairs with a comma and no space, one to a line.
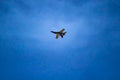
89,50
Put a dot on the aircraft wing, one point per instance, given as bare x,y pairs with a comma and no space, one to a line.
61,31
57,36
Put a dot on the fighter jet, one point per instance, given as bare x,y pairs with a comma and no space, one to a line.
60,33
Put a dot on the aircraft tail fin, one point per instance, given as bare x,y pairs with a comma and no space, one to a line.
64,33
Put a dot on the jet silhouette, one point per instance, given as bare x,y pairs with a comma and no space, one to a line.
60,33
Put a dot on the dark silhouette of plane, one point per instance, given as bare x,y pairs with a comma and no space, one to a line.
60,33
